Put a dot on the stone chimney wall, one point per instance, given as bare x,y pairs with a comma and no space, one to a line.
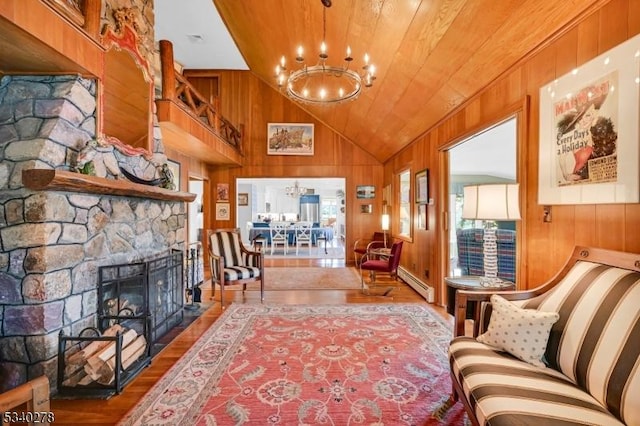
52,242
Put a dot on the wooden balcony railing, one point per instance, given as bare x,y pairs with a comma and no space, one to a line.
176,88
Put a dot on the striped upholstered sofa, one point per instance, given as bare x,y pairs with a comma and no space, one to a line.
590,372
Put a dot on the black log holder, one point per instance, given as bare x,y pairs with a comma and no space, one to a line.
67,345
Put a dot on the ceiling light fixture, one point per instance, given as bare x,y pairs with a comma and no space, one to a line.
295,191
324,84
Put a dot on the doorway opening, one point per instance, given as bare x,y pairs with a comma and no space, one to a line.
489,156
262,201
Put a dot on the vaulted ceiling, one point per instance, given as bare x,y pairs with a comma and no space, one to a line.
430,55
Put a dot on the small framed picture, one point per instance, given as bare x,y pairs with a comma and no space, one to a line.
366,208
365,191
422,217
174,167
422,187
222,192
243,199
223,211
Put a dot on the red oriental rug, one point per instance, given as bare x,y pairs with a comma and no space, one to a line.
306,365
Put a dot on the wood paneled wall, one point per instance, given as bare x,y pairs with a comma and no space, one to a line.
545,246
247,100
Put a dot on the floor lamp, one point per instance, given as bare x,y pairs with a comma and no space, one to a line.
491,203
386,222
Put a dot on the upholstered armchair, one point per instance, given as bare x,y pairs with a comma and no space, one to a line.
232,263
377,261
362,245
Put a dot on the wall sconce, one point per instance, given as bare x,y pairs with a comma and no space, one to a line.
546,218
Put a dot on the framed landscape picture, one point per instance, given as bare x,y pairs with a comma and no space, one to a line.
365,191
290,139
243,199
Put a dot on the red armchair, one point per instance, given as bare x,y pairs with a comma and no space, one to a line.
362,245
381,263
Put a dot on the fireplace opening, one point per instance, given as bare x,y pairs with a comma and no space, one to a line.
154,287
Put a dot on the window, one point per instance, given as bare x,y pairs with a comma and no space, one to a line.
328,209
404,203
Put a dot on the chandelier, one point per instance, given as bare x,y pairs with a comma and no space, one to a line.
295,190
324,84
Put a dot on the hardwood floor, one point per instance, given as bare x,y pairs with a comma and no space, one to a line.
101,412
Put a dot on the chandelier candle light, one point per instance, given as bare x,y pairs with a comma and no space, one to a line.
324,84
491,203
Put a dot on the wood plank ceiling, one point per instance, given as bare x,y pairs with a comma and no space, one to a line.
430,55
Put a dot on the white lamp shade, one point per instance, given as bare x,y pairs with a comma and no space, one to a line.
491,202
385,222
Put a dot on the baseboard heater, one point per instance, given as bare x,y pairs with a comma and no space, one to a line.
419,286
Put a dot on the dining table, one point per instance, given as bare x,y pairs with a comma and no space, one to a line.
317,234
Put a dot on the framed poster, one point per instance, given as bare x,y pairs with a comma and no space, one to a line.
223,211
589,144
290,139
243,199
365,191
422,187
222,192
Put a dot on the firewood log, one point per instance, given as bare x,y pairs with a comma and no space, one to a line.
73,379
135,356
81,356
86,380
129,355
98,359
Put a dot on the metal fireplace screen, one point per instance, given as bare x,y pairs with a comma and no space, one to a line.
166,297
154,287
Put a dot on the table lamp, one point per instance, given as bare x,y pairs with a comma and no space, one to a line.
491,203
386,222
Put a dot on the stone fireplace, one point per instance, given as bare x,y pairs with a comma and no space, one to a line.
52,242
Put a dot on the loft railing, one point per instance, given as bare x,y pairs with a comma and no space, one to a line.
176,88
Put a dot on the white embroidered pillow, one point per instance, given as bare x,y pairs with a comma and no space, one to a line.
523,333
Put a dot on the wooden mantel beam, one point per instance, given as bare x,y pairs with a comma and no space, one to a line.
60,180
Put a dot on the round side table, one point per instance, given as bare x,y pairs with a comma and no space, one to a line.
471,283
